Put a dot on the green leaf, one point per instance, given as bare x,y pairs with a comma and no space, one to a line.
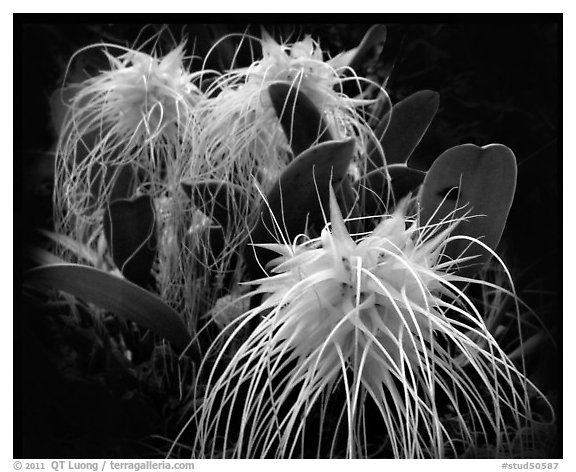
300,199
401,131
357,57
130,229
359,60
380,116
403,181
123,177
82,251
300,119
115,295
483,179
347,198
40,256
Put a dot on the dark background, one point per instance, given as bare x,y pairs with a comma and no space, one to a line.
499,79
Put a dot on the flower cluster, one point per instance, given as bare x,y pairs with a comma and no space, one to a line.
371,334
145,127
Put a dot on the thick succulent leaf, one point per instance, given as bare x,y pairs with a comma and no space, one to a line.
130,230
400,133
483,179
393,49
113,294
301,121
299,201
123,177
355,58
376,159
82,251
403,181
380,115
40,256
374,36
219,201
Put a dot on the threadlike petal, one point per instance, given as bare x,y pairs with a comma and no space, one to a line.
362,329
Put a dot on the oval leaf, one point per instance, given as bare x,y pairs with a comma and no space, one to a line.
403,181
380,117
130,229
300,199
400,133
124,177
374,36
393,49
483,179
301,121
115,295
356,57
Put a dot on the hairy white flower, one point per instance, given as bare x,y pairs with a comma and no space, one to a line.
126,131
140,112
241,127
361,334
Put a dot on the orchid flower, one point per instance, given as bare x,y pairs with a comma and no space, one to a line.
371,329
139,112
